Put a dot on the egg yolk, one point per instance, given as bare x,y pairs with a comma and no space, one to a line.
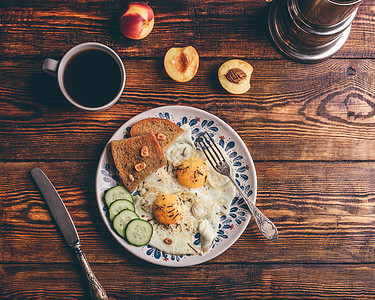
192,172
167,209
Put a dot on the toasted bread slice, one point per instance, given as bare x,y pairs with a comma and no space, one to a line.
136,158
165,131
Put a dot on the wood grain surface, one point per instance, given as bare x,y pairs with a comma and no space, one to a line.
215,28
321,210
251,281
326,114
309,128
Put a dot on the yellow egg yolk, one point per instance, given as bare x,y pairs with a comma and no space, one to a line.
167,209
192,172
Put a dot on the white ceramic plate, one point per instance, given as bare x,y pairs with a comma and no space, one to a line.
230,227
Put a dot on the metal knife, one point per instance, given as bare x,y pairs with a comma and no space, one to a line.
65,223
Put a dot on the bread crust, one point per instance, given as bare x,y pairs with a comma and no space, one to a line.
158,125
126,155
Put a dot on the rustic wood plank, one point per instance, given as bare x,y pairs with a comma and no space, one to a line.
324,213
309,128
292,111
40,29
63,281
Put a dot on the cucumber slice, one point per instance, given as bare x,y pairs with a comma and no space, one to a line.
138,232
122,219
119,205
115,193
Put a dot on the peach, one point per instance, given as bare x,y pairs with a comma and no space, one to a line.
137,21
234,75
181,64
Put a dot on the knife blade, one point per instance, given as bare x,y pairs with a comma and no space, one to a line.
67,228
57,207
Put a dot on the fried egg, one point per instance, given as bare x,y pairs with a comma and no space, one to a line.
184,200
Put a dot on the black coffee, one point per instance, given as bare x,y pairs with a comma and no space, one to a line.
92,78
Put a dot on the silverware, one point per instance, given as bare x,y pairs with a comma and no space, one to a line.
220,164
65,223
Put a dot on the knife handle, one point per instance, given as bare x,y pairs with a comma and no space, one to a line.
96,290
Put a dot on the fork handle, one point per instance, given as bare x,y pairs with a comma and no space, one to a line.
266,227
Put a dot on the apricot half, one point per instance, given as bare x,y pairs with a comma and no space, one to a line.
234,75
181,64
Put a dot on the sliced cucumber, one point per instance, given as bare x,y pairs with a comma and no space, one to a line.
115,193
122,219
119,205
138,232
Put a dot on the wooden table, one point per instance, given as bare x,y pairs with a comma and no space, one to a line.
309,128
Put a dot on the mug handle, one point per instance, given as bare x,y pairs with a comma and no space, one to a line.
50,66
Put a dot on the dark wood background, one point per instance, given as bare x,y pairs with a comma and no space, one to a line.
310,130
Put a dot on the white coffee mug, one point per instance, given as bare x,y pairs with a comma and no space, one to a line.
57,69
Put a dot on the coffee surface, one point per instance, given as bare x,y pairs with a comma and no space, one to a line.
92,78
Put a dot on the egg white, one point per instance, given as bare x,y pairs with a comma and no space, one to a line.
201,207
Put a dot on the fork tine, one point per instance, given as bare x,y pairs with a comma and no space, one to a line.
216,147
210,150
213,151
206,151
209,154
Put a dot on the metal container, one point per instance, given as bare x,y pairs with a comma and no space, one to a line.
311,31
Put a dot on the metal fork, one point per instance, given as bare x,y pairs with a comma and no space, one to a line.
220,164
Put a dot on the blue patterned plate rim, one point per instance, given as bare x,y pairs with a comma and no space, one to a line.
230,227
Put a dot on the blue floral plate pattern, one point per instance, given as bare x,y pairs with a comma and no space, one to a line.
232,226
